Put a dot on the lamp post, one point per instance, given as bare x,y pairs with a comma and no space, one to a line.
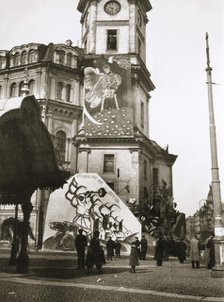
216,192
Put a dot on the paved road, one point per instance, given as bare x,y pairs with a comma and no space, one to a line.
54,278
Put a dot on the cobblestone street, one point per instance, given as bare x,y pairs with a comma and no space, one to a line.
53,276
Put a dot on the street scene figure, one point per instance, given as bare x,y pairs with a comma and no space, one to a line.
181,250
138,246
80,244
95,254
144,247
110,249
117,249
170,248
211,254
194,252
133,261
159,251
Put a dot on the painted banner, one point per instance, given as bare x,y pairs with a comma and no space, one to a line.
107,111
87,202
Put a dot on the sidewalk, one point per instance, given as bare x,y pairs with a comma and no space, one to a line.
171,278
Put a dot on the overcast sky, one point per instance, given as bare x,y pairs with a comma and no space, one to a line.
176,60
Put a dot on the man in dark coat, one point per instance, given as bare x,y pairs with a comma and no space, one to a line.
144,246
211,247
110,249
80,244
181,250
117,249
159,251
97,252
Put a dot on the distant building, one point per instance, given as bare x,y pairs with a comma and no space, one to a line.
95,102
202,222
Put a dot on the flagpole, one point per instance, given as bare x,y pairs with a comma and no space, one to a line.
218,269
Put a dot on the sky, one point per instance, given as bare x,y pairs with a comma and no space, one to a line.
176,59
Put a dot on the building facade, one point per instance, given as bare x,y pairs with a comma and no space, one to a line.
95,101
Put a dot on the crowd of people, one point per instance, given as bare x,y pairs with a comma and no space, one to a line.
197,251
93,254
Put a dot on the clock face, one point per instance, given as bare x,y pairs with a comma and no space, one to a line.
112,7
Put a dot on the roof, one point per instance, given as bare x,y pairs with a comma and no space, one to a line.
27,155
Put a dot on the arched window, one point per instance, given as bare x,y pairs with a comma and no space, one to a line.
13,90
60,145
0,92
16,59
24,58
68,93
31,86
32,56
62,57
69,60
20,88
59,91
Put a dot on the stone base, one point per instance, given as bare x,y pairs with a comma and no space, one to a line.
217,271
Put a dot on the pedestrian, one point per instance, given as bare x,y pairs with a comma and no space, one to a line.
206,253
89,260
181,250
80,244
133,261
137,243
144,247
97,253
159,250
170,247
110,249
195,252
117,249
211,255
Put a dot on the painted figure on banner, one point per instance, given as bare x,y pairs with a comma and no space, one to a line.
107,83
101,86
91,211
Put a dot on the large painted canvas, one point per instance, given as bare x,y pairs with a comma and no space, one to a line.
87,202
108,111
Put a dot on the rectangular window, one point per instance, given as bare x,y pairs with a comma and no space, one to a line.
142,115
145,169
155,176
108,163
111,39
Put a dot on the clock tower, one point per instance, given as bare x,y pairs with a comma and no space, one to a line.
114,27
114,140
116,30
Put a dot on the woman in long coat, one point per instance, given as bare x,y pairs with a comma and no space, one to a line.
133,261
194,252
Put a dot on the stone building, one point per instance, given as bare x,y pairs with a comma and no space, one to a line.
95,101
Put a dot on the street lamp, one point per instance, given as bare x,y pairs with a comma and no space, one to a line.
216,192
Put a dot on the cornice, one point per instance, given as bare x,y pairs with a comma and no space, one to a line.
143,75
62,109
